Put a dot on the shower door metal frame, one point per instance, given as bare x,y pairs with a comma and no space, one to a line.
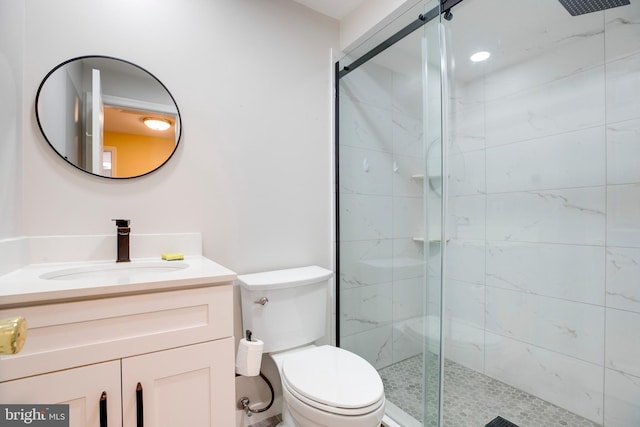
443,9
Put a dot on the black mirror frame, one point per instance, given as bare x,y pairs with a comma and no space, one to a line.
179,116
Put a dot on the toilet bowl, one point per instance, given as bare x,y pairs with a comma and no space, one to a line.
322,386
329,386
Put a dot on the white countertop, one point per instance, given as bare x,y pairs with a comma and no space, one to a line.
25,286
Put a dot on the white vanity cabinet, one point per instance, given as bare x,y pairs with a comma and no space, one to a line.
177,344
80,388
182,387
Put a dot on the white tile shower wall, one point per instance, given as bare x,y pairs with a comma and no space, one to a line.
548,162
621,396
466,261
570,103
623,214
467,217
467,128
381,210
463,332
364,171
570,47
559,224
574,216
365,262
567,327
568,382
368,126
623,271
407,135
623,152
547,269
623,352
366,308
466,172
622,88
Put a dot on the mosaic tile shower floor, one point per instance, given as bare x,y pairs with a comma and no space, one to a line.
471,399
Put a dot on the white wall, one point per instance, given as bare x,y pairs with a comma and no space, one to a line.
544,217
252,83
11,29
252,80
11,72
370,17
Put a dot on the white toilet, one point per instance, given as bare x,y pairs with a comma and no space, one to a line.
321,385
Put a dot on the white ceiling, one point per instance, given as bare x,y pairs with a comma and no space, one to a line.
337,9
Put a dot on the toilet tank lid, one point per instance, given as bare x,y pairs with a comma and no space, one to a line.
280,279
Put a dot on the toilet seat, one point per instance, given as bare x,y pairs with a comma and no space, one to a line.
333,380
332,409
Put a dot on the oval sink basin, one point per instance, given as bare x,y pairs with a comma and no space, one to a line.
115,271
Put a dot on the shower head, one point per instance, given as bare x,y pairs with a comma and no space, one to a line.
579,7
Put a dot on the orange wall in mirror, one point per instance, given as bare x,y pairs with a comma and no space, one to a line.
138,154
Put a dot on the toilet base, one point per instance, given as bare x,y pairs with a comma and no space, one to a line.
298,414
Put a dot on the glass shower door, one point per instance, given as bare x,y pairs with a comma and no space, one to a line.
389,203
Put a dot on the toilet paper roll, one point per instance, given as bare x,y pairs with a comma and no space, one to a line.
249,357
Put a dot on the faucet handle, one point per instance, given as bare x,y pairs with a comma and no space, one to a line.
122,222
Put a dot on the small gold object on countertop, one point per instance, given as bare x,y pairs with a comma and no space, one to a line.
13,334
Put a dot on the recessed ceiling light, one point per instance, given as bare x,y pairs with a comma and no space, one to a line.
480,56
157,124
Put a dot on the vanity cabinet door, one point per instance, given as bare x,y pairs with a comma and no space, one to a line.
187,386
80,388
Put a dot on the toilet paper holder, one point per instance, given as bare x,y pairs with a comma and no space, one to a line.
244,402
249,356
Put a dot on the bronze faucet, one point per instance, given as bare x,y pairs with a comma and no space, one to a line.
123,239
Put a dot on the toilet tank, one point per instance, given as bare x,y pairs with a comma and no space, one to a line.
294,312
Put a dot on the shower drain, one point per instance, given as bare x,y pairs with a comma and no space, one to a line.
500,422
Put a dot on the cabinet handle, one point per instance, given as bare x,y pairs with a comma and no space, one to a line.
139,411
103,409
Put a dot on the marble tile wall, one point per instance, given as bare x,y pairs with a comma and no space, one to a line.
381,212
543,276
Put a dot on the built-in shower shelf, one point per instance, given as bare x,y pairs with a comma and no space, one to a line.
420,176
421,240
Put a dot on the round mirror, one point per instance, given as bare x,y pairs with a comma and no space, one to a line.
108,117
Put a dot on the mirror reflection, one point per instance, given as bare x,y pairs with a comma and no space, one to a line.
108,117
